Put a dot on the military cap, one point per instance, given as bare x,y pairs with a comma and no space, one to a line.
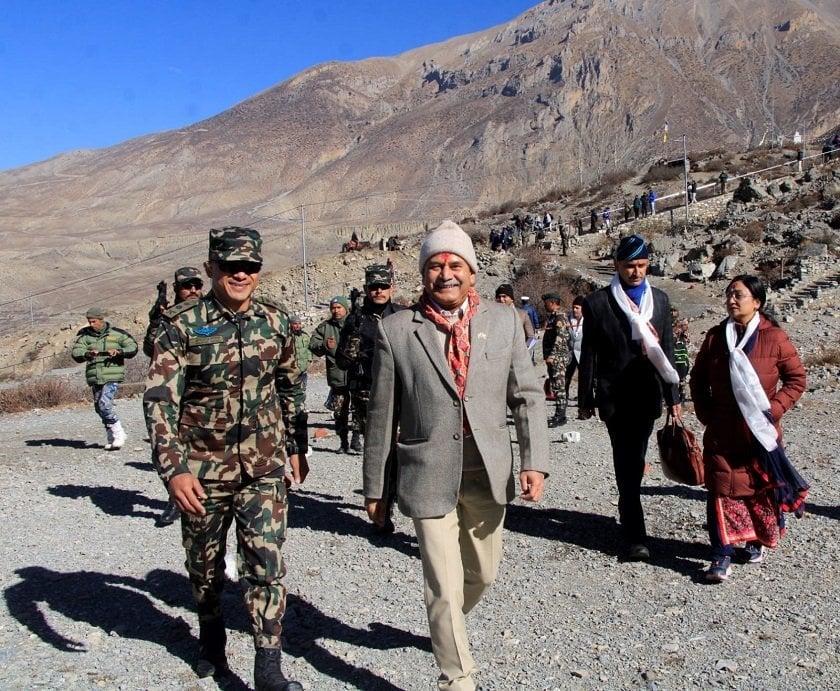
294,319
552,296
377,274
187,273
95,313
235,244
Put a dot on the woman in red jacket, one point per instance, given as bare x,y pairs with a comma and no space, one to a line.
746,375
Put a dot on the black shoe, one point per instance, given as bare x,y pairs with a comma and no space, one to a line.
638,552
212,661
356,442
345,448
386,528
170,514
268,676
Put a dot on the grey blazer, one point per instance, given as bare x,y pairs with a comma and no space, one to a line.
414,408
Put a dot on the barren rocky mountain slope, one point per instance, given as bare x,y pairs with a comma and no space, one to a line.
562,96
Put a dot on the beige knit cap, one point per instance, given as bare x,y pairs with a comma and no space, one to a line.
448,237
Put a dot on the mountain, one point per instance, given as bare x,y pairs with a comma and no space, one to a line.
557,99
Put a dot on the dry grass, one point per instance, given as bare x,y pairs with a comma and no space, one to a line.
824,356
534,280
42,393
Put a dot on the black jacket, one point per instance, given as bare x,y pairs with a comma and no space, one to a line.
614,375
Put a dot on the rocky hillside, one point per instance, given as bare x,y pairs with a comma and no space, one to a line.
558,99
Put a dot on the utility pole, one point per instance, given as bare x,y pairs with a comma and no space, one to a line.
305,272
685,181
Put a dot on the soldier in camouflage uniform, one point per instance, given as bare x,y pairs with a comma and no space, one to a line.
358,339
556,354
324,341
223,407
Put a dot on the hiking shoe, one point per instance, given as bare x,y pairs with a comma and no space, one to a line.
638,552
720,570
752,553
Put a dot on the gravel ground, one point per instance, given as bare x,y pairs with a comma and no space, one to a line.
95,594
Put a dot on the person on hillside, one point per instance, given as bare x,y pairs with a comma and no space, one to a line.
652,201
324,343
606,215
223,406
746,376
187,285
626,365
445,373
627,211
593,221
723,178
692,192
637,207
104,348
575,327
555,348
645,205
356,346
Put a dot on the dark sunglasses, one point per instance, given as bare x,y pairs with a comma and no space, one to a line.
191,284
379,286
236,267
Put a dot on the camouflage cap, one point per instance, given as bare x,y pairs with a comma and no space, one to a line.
187,273
235,244
555,297
377,274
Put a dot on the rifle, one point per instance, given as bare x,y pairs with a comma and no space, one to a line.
161,303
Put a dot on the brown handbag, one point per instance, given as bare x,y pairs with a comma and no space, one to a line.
679,453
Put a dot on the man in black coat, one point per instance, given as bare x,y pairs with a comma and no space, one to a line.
626,365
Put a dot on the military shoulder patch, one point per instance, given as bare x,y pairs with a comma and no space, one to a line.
180,308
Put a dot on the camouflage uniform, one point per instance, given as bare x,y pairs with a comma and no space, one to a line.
356,347
336,377
224,402
556,345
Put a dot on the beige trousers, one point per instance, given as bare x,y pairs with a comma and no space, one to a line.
461,552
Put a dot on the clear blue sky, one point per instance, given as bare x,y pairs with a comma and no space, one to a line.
80,74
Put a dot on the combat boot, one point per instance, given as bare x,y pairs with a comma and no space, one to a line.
267,673
212,638
345,445
559,417
356,442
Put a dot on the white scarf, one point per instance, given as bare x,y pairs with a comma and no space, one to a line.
642,330
752,401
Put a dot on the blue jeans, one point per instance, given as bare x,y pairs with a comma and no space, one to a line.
103,402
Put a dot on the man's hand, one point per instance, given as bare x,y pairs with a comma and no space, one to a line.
585,413
91,354
300,467
676,411
532,483
549,360
376,510
186,491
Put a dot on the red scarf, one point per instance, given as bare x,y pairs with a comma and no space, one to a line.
458,352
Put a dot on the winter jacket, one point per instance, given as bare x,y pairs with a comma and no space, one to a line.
727,443
102,368
331,328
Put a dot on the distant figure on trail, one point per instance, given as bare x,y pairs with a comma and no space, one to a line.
593,221
692,192
723,177
104,348
652,199
637,207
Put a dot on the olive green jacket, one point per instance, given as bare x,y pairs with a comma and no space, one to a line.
103,368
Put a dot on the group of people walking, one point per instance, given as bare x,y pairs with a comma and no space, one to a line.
430,388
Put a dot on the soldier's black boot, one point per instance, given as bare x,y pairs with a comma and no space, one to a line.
212,661
356,442
345,445
559,417
267,673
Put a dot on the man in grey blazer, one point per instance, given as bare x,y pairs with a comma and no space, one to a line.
626,365
445,373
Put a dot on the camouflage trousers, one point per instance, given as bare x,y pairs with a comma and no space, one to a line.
258,509
557,381
359,401
341,411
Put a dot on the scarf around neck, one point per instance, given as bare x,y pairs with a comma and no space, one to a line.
746,386
641,328
458,350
